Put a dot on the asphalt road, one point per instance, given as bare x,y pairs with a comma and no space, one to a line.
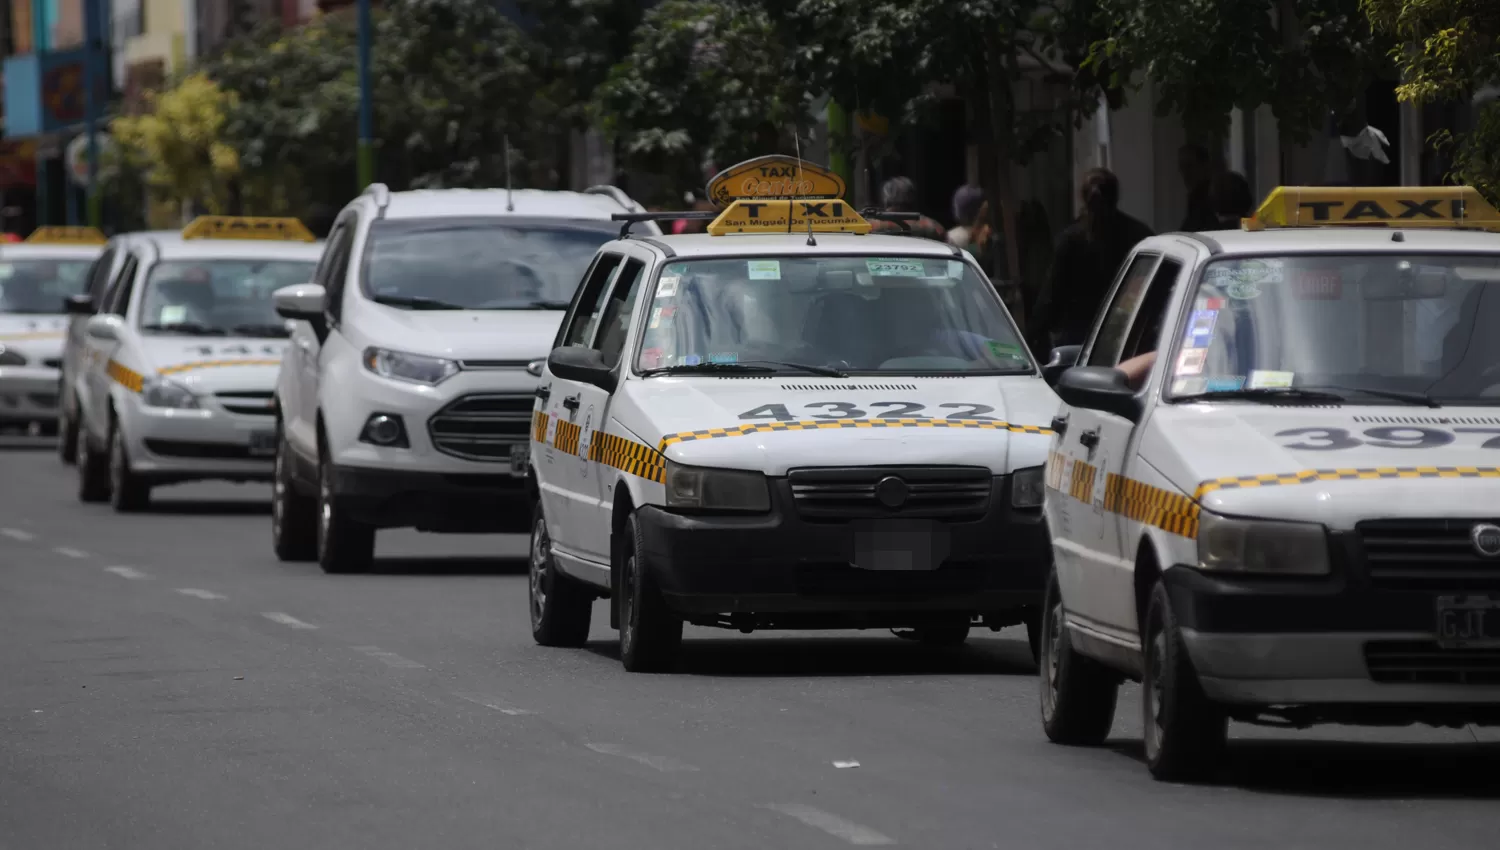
166,683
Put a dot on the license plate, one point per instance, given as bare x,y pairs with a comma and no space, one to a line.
1468,621
899,545
520,453
262,443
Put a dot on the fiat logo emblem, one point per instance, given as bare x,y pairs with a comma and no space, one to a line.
891,492
1486,539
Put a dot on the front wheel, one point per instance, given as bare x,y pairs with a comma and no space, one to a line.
1186,733
93,472
650,634
294,516
128,491
67,436
560,607
1078,693
345,545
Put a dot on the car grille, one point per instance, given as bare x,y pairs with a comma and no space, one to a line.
1425,662
1425,554
955,493
197,449
482,427
42,399
247,403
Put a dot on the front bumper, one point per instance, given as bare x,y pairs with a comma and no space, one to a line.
28,393
434,501
783,571
208,443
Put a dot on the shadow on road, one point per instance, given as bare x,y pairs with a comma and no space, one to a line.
1355,770
842,656
450,566
209,507
22,443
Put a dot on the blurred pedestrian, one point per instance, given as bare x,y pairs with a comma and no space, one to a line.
1089,253
1197,169
899,194
967,201
1229,196
696,204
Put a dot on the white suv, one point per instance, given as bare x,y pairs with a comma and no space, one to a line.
405,399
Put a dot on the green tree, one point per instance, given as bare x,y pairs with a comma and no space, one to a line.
179,145
1449,50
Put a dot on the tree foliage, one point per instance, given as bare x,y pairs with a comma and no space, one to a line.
180,145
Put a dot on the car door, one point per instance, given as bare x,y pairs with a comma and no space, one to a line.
73,350
306,349
96,382
561,476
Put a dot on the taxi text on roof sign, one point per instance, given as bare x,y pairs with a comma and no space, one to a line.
774,177
58,235
800,216
247,227
1389,206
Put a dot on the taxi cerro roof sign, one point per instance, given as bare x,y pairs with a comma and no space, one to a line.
800,216
1388,206
247,227
774,177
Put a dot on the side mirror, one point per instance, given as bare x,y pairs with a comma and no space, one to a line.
1099,388
1064,357
303,302
535,367
106,328
584,365
78,305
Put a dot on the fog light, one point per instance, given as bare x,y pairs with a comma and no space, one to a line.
384,430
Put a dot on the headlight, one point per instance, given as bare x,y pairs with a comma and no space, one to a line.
414,368
716,489
1027,487
162,393
11,357
1261,546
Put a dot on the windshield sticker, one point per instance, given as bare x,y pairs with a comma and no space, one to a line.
1242,291
1265,379
1188,386
724,357
956,269
1225,384
691,359
661,314
651,358
1210,303
764,269
173,314
895,268
1005,350
1317,285
1190,362
668,286
1201,329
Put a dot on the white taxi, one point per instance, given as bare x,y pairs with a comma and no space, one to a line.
36,279
802,426
182,356
1294,516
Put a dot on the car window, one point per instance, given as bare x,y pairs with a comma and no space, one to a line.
586,312
614,324
120,291
1145,331
99,274
335,266
40,285
873,315
1109,340
218,297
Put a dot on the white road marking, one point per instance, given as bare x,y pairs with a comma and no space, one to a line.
70,553
127,572
17,534
286,620
201,594
661,763
834,825
390,658
492,703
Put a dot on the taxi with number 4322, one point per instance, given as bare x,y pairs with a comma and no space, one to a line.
786,423
182,355
1292,516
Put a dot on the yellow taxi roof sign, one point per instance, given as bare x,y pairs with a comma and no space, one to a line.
1381,206
799,216
247,227
775,177
62,235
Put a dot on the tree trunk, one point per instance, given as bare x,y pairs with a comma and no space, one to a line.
1002,117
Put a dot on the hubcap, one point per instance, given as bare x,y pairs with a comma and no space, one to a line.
278,493
1155,692
325,507
627,605
540,547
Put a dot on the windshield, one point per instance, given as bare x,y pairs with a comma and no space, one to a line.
218,297
871,315
39,286
480,263
1379,323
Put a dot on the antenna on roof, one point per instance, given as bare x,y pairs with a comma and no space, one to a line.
510,204
797,145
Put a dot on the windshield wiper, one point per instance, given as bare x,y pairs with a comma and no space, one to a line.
1268,394
543,305
268,329
1393,395
700,368
416,302
187,328
826,371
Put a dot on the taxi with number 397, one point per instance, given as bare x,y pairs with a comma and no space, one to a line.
182,355
1274,488
786,423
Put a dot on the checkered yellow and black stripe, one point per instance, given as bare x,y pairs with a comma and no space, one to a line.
566,438
1081,487
833,424
627,455
215,364
1141,502
125,376
1057,464
539,422
1372,473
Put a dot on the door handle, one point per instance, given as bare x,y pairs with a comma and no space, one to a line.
571,403
1089,439
1060,425
544,393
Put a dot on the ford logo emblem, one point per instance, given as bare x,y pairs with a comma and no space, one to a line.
1486,539
891,492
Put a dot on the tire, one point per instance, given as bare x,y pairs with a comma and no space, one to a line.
294,516
67,436
93,472
947,635
650,634
1078,693
1186,733
128,491
344,544
47,428
560,607
1034,635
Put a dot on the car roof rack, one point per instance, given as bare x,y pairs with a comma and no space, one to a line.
901,218
632,218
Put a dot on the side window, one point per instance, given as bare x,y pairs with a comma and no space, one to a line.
119,294
337,272
1145,332
586,311
99,276
614,324
1109,340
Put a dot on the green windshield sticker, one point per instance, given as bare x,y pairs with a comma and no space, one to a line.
173,314
895,268
1004,349
765,269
